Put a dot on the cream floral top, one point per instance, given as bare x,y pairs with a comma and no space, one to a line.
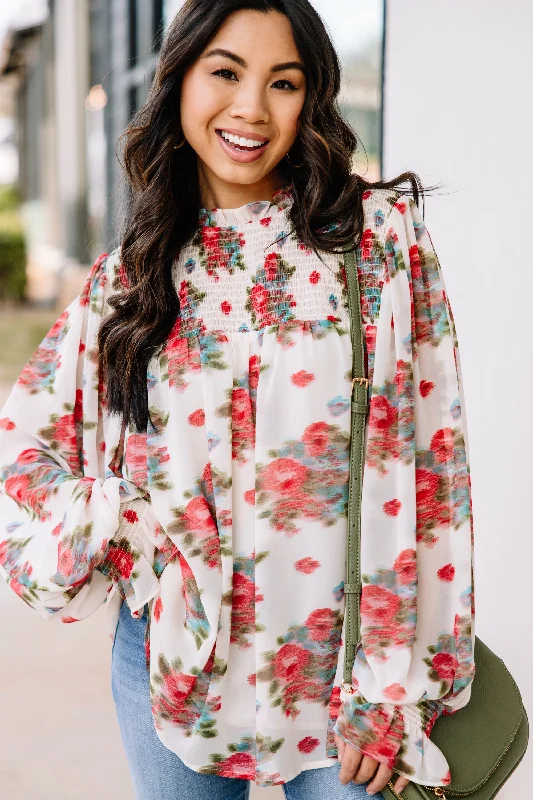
228,517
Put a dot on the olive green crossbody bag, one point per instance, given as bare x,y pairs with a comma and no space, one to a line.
485,740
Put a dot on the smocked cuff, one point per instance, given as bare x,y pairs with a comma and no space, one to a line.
395,735
129,561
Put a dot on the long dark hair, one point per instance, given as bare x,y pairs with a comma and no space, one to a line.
165,196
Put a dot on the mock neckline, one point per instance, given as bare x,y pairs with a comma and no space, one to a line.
250,212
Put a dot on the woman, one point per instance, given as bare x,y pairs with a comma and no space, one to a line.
178,445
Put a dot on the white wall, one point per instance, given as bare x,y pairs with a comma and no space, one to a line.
458,110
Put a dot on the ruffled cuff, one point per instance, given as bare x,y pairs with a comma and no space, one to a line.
129,561
395,735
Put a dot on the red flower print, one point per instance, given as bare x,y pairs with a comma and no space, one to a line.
17,487
238,765
135,458
401,206
243,592
65,560
289,662
378,604
158,608
69,619
253,372
392,507
425,387
78,406
306,565
446,573
225,307
371,334
366,243
265,221
130,516
382,414
177,689
447,778
259,298
308,744
197,418
405,566
198,518
249,496
335,702
321,623
284,476
121,559
6,424
414,260
64,430
252,679
316,438
394,692
443,444
302,378
445,665
123,277
314,276
427,484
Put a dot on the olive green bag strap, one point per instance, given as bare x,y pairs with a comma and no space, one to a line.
359,408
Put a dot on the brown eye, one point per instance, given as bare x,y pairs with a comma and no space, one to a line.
289,85
224,73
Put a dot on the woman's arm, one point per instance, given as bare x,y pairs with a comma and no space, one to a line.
70,527
415,661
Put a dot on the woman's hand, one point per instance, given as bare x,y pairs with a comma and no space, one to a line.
360,768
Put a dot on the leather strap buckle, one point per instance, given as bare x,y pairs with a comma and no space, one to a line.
361,380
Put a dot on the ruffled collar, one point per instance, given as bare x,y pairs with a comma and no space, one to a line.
227,217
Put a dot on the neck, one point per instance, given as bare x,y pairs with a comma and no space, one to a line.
215,193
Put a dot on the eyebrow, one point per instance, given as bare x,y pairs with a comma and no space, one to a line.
219,51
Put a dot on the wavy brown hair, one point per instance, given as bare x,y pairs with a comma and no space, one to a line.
164,191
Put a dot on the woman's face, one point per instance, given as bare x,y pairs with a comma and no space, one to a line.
248,84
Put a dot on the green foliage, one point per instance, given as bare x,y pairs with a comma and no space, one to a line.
12,265
9,199
12,248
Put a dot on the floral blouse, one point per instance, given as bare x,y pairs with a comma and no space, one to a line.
228,516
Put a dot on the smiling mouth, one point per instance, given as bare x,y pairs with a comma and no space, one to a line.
242,148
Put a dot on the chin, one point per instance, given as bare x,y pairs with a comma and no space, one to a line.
244,175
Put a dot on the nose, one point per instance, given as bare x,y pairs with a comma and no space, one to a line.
250,103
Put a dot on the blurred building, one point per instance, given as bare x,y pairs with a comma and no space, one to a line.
75,73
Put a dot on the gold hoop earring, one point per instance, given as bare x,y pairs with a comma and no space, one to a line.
177,146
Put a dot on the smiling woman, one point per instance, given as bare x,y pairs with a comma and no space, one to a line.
179,444
241,105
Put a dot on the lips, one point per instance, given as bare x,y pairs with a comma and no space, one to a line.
242,154
256,137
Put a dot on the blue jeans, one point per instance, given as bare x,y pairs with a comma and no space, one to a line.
157,772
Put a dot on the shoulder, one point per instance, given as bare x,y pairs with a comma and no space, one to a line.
102,280
391,214
378,205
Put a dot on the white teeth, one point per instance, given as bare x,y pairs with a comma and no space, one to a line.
240,140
